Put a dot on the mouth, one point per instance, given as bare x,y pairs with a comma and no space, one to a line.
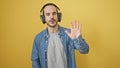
52,20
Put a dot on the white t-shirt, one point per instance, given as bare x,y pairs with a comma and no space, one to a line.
56,55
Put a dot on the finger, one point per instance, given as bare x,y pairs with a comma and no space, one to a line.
75,24
80,27
71,25
68,33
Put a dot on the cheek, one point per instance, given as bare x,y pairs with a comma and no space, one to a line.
47,18
56,17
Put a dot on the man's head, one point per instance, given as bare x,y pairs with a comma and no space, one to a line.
51,16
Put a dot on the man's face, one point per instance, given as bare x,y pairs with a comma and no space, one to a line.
50,13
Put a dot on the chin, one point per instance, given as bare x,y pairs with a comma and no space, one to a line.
52,25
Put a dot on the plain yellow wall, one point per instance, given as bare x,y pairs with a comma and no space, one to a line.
19,23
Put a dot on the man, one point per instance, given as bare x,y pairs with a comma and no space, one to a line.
54,47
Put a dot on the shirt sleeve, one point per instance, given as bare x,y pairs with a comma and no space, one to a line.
35,57
81,45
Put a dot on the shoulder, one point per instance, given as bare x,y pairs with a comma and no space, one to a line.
64,29
40,35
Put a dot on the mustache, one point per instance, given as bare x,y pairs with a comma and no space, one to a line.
52,20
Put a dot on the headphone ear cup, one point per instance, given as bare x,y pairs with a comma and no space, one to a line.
59,16
42,17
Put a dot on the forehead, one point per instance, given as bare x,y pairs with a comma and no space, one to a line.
50,8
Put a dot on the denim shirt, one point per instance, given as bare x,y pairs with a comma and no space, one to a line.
39,51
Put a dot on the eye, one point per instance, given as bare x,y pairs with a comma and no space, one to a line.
54,13
47,14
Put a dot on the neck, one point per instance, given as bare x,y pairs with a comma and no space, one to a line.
53,30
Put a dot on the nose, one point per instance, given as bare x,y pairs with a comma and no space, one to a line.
51,16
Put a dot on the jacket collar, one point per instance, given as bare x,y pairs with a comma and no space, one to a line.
60,32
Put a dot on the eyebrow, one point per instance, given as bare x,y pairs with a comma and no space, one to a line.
49,12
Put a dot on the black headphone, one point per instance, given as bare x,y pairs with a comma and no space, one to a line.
42,17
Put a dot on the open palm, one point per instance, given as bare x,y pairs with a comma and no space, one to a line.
75,30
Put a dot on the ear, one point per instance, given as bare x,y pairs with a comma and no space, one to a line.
42,17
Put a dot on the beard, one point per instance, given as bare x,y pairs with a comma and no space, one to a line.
52,23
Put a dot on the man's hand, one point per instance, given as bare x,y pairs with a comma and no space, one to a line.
75,30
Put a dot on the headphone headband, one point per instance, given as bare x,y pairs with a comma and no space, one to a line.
49,4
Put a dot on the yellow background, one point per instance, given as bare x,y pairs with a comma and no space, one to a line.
20,22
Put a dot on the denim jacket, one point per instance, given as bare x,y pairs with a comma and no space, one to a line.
39,51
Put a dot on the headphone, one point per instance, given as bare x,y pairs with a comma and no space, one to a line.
42,17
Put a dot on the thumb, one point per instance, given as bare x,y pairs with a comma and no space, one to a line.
68,33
